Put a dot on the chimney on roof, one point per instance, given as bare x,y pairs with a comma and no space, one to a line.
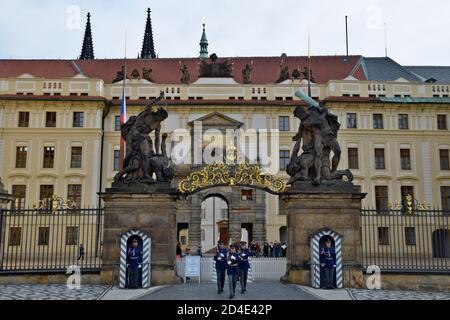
148,46
87,51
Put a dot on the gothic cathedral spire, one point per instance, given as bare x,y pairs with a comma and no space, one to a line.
148,46
87,52
203,44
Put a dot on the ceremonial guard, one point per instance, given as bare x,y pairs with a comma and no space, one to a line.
232,269
328,263
221,265
134,264
244,265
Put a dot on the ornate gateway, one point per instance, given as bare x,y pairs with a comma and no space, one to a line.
220,174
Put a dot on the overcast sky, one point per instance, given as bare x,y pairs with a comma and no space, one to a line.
417,30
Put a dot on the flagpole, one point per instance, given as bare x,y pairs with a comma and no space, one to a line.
309,63
123,111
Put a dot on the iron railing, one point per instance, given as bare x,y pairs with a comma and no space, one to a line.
43,240
402,241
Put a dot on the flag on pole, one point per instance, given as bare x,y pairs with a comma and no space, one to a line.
123,109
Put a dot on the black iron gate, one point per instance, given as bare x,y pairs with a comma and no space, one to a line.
406,241
50,240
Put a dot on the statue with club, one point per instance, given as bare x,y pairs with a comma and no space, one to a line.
317,134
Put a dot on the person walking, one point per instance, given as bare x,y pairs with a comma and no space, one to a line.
266,250
81,253
283,250
221,265
179,251
244,265
328,263
232,269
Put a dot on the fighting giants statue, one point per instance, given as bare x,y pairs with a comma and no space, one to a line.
318,134
143,157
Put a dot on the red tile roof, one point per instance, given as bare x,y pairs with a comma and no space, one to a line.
166,70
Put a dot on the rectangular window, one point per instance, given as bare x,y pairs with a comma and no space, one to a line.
43,236
76,157
445,198
24,119
379,159
283,123
406,190
49,157
444,159
116,160
78,119
442,122
353,162
284,159
15,235
381,198
246,195
71,236
351,121
378,121
21,157
117,123
19,193
46,191
74,194
405,159
383,236
403,121
50,119
410,236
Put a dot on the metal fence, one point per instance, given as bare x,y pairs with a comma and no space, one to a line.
261,268
50,240
402,241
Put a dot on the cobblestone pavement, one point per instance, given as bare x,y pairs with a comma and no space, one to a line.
50,292
208,291
358,294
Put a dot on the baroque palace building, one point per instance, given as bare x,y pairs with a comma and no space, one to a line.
60,126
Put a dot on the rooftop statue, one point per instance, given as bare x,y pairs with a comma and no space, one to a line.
185,76
143,156
317,134
284,74
215,69
247,74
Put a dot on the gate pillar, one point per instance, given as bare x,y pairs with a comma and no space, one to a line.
154,214
310,209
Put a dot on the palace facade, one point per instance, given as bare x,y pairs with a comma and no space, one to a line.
60,127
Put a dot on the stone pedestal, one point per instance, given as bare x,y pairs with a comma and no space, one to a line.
152,213
310,209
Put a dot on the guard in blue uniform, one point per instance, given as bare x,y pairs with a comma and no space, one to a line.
244,265
328,263
134,264
221,265
232,269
